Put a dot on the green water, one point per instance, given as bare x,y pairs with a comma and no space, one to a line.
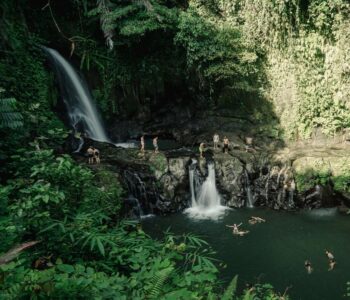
275,251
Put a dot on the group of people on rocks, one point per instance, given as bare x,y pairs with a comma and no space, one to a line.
252,221
202,146
216,143
331,262
225,145
93,155
154,141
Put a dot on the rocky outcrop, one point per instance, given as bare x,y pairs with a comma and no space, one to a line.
159,183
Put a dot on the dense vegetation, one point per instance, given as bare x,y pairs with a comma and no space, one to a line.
139,56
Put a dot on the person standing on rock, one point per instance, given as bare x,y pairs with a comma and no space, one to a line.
226,143
201,149
155,144
216,140
142,144
97,155
90,154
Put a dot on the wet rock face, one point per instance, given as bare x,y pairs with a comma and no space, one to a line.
160,182
229,174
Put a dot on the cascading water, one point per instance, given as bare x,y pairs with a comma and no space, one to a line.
141,192
208,203
250,201
82,112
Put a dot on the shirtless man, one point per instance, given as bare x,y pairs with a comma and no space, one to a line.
142,143
97,155
155,144
236,231
308,266
216,140
226,143
234,227
90,154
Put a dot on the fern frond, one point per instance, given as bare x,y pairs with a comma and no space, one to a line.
231,290
9,117
158,281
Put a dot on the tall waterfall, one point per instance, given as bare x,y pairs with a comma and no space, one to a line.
207,205
82,112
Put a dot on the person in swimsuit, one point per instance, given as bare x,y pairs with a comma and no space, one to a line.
332,263
236,231
329,255
252,221
201,149
90,154
216,140
258,219
226,143
97,155
142,143
308,266
155,144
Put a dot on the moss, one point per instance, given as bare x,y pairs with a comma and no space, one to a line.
311,177
158,162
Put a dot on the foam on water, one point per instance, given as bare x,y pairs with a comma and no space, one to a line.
208,203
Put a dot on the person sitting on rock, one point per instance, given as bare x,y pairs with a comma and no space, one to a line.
308,266
226,143
90,154
332,263
216,140
155,144
249,144
97,155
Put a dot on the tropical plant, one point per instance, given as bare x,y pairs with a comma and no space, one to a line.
9,116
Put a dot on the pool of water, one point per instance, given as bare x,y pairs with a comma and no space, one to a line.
275,251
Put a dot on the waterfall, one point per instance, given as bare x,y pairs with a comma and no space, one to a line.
250,201
208,203
145,193
82,112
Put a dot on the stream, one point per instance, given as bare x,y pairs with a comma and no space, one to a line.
274,252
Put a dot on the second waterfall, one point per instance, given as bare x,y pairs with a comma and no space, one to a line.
205,198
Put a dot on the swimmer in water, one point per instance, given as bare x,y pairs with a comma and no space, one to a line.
308,266
329,255
332,263
236,231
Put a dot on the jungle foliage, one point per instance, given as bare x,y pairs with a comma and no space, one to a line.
139,55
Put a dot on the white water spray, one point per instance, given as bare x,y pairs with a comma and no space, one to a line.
208,203
250,200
